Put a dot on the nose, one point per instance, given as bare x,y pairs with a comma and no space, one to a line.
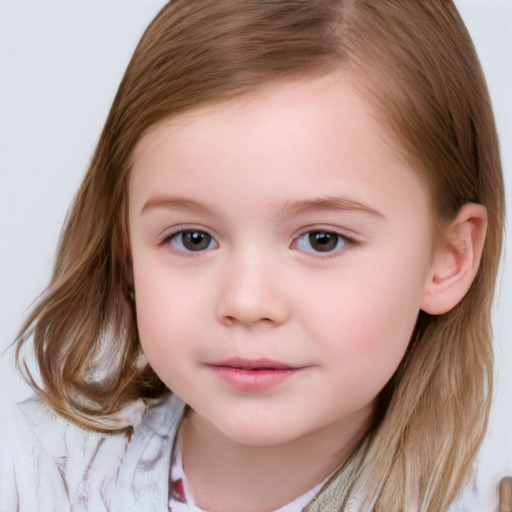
252,292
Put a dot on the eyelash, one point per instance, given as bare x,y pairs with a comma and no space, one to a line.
176,237
341,241
323,236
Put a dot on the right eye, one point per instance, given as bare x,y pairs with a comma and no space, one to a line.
192,241
321,242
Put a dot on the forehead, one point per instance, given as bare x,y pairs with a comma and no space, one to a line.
301,137
303,99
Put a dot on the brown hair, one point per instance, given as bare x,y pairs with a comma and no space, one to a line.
418,67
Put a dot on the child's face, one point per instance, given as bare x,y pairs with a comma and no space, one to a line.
280,249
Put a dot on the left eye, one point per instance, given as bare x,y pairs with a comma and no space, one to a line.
320,241
192,240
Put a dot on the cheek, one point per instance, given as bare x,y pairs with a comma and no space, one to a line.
171,313
366,323
156,302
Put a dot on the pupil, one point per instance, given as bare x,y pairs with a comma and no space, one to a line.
196,240
322,241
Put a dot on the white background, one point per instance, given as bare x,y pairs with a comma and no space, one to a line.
60,64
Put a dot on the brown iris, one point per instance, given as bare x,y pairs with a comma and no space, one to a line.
323,241
196,240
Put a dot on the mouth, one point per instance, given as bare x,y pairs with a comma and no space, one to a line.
253,375
253,365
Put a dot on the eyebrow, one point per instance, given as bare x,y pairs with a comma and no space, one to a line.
329,204
289,209
173,203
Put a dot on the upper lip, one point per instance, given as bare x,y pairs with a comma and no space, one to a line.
253,364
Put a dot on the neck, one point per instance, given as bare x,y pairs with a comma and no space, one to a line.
228,476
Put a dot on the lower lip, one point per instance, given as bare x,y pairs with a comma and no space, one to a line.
254,380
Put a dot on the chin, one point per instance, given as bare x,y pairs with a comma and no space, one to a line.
259,433
258,439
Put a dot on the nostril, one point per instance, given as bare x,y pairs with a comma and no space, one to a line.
231,320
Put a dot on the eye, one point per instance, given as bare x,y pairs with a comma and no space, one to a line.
320,241
192,240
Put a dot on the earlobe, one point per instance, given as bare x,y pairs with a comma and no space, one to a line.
455,260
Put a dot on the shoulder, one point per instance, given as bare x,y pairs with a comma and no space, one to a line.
49,464
46,463
28,433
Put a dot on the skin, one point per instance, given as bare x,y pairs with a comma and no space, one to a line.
249,178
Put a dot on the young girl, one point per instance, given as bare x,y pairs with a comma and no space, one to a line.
273,289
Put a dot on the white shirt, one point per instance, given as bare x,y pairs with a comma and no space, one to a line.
50,465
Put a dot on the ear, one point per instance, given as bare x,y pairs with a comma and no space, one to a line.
455,260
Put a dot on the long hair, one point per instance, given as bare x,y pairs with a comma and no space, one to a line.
417,67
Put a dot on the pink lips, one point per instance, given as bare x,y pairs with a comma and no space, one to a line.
253,375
